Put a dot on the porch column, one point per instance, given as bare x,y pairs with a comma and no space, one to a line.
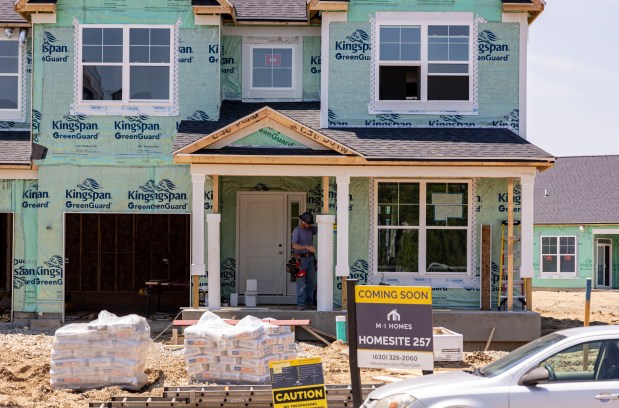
197,235
214,264
325,263
343,188
526,235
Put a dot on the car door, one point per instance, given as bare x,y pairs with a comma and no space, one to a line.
576,380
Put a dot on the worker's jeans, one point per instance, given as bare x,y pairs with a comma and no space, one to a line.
307,283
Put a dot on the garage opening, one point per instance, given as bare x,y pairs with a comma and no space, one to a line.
6,266
109,258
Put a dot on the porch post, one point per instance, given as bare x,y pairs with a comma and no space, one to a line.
526,235
325,262
197,235
343,188
214,264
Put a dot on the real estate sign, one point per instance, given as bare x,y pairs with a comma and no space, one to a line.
394,327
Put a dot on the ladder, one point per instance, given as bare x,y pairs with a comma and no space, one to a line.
503,295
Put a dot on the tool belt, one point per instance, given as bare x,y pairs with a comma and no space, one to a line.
293,267
304,255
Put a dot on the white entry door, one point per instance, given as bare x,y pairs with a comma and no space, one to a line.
262,242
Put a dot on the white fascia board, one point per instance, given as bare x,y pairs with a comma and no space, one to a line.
207,20
10,174
602,231
251,31
43,18
362,171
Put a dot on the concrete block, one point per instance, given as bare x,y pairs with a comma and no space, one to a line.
45,324
252,285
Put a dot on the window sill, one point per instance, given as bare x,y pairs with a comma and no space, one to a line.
423,108
12,116
124,110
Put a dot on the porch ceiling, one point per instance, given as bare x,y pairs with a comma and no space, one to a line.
351,146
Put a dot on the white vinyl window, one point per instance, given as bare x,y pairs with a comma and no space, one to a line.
424,63
558,256
423,227
126,65
10,79
273,71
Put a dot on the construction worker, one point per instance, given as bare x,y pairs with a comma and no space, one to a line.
303,246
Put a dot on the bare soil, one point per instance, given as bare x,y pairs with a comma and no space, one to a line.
25,356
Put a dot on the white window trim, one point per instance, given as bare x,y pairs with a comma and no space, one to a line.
423,19
16,114
422,228
557,273
295,92
127,107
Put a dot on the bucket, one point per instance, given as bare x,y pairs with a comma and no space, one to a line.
340,328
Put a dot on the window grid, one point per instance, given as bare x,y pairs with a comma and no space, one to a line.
10,75
558,255
137,70
421,235
427,86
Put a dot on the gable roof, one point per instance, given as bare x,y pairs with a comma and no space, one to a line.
15,148
378,144
578,190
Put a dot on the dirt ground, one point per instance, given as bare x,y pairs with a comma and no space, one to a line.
25,356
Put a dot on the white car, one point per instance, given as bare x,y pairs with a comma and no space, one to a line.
576,368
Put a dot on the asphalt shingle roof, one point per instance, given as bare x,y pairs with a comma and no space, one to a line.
578,190
8,14
15,147
260,10
413,144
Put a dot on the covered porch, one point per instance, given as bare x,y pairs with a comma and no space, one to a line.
229,148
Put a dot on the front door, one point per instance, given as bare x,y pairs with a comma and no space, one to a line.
262,250
603,263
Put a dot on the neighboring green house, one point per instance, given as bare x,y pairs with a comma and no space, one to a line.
182,139
577,223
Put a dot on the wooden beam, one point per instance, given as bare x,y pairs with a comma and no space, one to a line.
325,195
510,244
534,9
486,267
303,130
335,161
328,5
225,131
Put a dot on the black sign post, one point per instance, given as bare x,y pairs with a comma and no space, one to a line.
355,374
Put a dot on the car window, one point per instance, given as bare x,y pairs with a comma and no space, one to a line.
577,363
521,353
608,366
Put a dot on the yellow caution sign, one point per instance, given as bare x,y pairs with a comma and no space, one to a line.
298,383
404,295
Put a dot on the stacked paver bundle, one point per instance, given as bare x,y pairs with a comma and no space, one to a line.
109,351
216,351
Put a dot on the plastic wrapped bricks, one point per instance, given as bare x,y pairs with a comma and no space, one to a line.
109,351
218,352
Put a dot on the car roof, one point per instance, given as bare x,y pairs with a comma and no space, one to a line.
590,331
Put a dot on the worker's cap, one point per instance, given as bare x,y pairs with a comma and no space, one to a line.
307,218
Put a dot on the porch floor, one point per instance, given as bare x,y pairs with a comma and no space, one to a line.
511,329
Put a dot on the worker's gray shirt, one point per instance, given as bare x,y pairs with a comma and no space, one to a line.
303,236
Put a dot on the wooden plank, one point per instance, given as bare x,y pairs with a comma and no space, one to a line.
202,158
510,244
313,333
300,322
528,284
486,268
325,195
